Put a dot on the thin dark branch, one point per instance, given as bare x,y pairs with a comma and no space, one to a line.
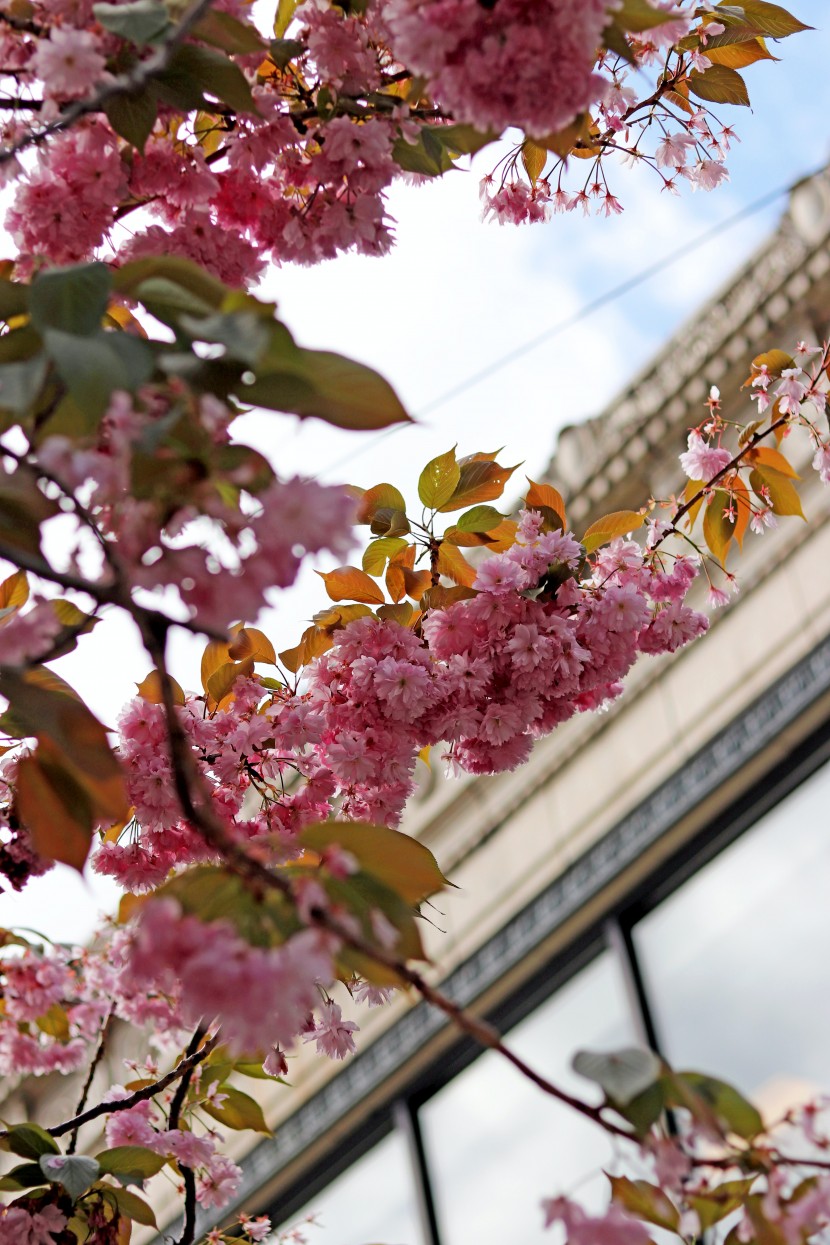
189,1229
96,1059
140,1095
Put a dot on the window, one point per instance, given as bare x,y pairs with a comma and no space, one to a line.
496,1145
373,1201
730,958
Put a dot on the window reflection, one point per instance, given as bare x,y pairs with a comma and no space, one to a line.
735,962
496,1145
373,1201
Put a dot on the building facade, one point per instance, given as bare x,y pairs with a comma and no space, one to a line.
654,875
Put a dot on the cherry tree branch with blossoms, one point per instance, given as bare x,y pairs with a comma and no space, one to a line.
252,825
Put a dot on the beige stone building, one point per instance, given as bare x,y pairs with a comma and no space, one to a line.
657,874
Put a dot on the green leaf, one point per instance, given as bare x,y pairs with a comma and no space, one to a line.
479,519
14,299
646,1201
132,1206
400,862
330,387
439,480
623,1074
771,19
639,15
719,85
238,1111
209,292
130,1164
24,1176
75,1172
140,21
720,1201
428,156
227,32
21,383
88,366
283,51
29,1141
72,299
22,510
192,71
133,115
244,334
733,1111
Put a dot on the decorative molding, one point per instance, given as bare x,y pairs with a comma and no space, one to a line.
726,754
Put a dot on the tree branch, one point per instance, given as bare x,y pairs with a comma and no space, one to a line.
141,1095
96,1059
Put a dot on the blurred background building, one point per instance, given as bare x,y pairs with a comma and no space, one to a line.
655,875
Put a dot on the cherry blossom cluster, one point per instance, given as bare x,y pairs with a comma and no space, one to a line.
220,556
294,164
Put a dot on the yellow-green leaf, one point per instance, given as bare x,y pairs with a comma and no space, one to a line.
238,1111
399,861
438,480
378,553
534,158
718,528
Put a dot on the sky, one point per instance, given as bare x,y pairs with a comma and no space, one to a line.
457,295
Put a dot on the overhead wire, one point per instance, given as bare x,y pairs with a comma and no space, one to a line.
589,309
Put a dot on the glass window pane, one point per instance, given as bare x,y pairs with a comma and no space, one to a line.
496,1145
373,1201
736,961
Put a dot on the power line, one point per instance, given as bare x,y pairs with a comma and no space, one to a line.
596,304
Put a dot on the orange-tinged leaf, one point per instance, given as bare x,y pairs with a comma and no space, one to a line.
149,689
14,591
399,861
216,654
440,598
249,642
313,643
404,614
455,566
776,361
765,456
416,583
338,616
480,479
742,507
618,523
222,680
503,536
739,55
78,739
438,480
380,497
55,811
545,496
646,1201
395,582
347,583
